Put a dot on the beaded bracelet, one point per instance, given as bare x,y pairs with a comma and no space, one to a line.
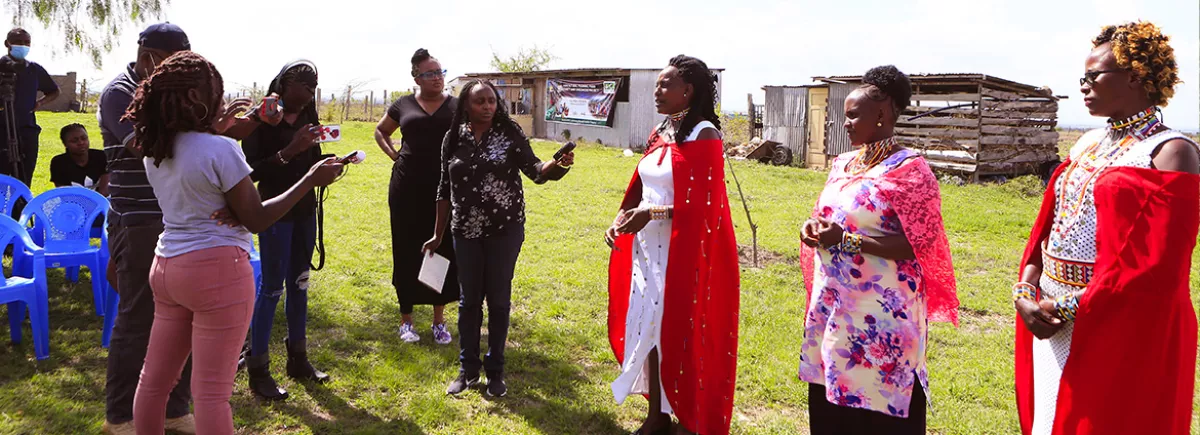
659,213
851,243
1024,290
1067,306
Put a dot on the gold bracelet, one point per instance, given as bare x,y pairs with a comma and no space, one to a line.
851,243
659,213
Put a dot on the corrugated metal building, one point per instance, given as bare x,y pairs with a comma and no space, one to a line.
980,125
633,116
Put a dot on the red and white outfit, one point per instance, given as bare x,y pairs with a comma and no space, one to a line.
674,286
1124,232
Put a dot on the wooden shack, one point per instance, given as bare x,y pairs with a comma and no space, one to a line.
969,124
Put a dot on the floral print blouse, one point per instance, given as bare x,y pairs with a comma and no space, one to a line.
865,330
481,180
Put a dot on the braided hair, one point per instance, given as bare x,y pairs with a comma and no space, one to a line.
887,82
420,56
303,71
62,134
161,107
500,120
1142,48
704,100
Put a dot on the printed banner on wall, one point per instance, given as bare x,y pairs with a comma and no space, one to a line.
587,102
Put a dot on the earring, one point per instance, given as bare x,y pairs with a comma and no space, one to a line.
879,124
205,106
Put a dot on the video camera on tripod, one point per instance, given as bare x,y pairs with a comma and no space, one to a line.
8,91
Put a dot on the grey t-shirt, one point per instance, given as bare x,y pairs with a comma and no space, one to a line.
191,186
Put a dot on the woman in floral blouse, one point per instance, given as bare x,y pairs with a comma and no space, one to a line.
480,196
877,267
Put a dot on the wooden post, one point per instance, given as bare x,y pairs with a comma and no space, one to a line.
753,116
318,101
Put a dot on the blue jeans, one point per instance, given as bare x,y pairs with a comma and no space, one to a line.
485,271
286,249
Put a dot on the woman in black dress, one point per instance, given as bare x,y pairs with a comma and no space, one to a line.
423,119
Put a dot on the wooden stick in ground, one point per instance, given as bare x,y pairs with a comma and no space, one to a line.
753,227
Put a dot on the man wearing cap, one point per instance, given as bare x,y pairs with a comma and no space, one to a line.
31,79
134,224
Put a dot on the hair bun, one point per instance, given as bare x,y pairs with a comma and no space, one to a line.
420,56
891,81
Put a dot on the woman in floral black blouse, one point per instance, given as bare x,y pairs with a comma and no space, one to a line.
480,196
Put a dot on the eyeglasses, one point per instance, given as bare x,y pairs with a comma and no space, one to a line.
432,74
1089,78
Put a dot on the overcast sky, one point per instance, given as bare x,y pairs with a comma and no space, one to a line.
759,42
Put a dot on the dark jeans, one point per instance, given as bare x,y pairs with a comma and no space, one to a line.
132,253
286,252
485,271
27,139
829,419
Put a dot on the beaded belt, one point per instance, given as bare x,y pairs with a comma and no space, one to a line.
1068,272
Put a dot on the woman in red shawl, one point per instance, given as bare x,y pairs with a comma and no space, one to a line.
674,329
1104,280
877,266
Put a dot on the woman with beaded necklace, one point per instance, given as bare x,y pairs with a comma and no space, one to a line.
877,268
1104,280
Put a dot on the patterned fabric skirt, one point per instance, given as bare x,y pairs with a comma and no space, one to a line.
1049,357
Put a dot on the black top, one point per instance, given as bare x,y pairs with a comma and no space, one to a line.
64,170
31,79
130,197
275,179
481,180
421,136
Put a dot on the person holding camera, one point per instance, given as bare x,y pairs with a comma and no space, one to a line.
202,280
481,199
30,78
281,149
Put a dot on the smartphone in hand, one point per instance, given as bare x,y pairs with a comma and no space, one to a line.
330,133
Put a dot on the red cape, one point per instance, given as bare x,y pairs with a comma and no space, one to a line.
1133,353
700,302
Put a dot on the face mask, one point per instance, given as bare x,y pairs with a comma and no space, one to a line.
20,51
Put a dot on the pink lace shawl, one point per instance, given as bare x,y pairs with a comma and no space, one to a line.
912,190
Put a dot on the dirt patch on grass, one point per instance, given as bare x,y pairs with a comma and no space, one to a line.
765,257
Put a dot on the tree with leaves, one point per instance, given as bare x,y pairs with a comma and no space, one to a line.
526,59
91,27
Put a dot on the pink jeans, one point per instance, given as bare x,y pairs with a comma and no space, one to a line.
203,301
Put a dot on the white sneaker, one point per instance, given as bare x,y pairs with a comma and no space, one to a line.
441,335
408,333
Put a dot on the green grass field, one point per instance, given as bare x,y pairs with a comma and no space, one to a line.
559,364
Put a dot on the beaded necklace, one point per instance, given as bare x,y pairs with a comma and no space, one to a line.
1121,135
871,154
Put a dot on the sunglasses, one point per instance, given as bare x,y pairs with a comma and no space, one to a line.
1089,78
432,74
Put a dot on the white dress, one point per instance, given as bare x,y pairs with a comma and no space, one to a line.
1074,239
643,323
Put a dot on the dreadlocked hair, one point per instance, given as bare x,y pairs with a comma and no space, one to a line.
1142,48
161,108
500,120
886,82
704,95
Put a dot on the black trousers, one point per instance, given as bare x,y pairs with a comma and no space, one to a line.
485,272
829,419
132,252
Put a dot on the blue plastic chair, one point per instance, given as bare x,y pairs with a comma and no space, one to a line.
12,189
26,291
61,220
112,299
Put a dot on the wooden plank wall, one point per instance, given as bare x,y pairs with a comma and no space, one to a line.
1003,133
